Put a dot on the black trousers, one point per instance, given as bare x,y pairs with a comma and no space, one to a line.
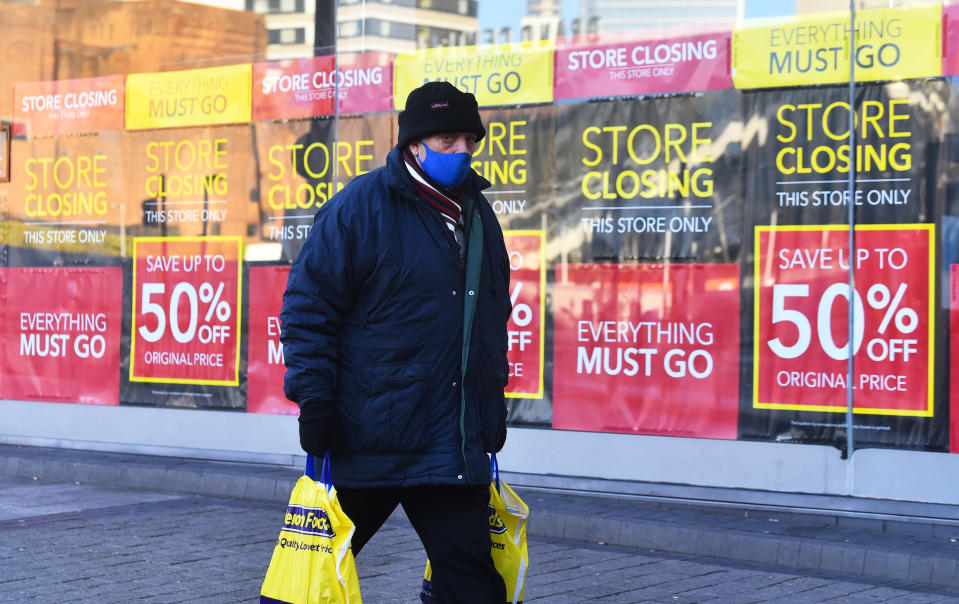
453,524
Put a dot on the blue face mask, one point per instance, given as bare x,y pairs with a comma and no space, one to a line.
448,169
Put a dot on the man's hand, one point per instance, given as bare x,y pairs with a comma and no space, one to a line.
316,426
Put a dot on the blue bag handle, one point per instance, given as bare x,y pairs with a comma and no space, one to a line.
326,472
494,470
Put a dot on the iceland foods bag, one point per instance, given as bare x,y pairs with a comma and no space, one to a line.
312,562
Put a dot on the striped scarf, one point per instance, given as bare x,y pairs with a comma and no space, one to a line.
448,207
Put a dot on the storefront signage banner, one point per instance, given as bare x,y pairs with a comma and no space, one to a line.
670,201
192,181
649,181
950,39
798,202
954,356
265,368
371,87
65,193
625,365
499,74
525,330
63,345
891,44
323,86
195,97
186,310
680,64
800,359
303,163
84,105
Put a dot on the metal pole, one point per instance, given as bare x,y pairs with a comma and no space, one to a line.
850,445
324,27
324,43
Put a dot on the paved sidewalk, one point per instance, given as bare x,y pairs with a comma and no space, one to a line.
875,549
63,542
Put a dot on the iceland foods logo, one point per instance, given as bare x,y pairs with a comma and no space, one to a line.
308,521
496,524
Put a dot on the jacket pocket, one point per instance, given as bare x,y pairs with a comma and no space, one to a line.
395,416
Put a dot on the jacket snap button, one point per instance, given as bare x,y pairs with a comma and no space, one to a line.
454,292
459,477
454,384
471,292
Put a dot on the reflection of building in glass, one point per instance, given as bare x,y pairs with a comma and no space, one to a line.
824,6
405,25
289,25
543,20
546,19
627,15
384,25
58,40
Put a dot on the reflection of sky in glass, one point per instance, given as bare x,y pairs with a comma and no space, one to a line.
756,9
500,13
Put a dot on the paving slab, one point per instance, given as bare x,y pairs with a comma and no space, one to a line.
877,550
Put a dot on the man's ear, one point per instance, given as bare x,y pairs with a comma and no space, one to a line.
415,149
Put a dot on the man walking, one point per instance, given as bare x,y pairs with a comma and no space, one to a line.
394,336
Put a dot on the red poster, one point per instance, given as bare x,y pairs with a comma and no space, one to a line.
186,313
63,345
525,331
265,356
954,358
647,349
802,319
307,87
87,105
950,39
678,64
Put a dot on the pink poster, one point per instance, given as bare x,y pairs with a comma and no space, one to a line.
950,39
678,64
85,105
307,87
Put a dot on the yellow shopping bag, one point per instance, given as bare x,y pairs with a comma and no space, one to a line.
507,531
508,515
312,562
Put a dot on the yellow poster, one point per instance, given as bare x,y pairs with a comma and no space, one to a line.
195,97
498,74
891,43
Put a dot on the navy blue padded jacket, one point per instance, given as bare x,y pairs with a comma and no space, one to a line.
372,324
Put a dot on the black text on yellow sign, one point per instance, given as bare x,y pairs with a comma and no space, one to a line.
486,73
318,161
880,126
793,49
660,161
66,186
208,96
